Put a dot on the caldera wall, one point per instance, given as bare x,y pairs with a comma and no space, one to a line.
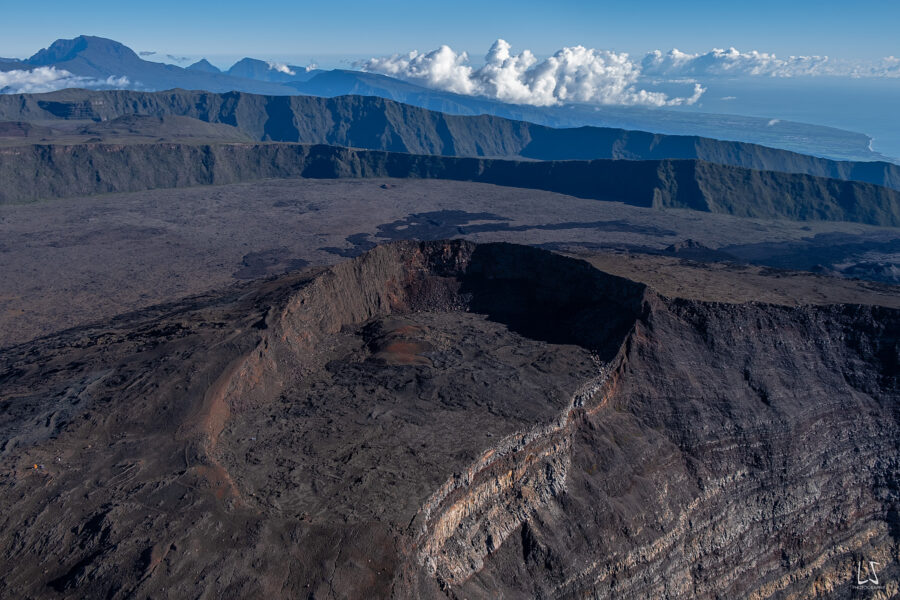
58,171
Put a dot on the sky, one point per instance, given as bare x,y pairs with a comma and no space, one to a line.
865,29
542,53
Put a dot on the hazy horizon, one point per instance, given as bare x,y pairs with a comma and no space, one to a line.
864,30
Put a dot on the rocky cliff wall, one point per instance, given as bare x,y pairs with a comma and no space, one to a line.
53,171
379,124
678,449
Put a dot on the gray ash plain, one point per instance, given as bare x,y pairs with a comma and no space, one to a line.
73,261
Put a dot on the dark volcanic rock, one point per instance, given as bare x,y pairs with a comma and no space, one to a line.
166,128
275,261
18,129
444,419
35,172
694,250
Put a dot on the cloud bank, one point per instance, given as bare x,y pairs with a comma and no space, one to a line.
575,74
889,66
734,63
48,79
730,63
579,74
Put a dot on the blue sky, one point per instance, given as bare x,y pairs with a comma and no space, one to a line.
865,29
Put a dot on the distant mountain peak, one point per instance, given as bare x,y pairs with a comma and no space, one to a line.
250,62
65,50
261,70
205,66
97,59
248,66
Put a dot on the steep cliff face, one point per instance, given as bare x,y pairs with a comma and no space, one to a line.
39,172
710,468
379,124
445,419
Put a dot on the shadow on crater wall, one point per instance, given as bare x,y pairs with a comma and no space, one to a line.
552,298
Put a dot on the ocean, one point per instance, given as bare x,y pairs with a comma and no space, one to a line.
865,105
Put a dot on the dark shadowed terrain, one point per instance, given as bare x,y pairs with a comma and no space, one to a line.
88,169
128,129
364,121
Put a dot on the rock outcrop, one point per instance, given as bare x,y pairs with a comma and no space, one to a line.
565,434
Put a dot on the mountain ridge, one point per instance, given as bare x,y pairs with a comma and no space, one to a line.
380,124
203,65
102,58
87,169
787,135
260,70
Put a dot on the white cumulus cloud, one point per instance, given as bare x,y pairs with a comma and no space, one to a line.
48,79
588,75
574,74
281,68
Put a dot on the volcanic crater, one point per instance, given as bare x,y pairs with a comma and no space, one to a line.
451,419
